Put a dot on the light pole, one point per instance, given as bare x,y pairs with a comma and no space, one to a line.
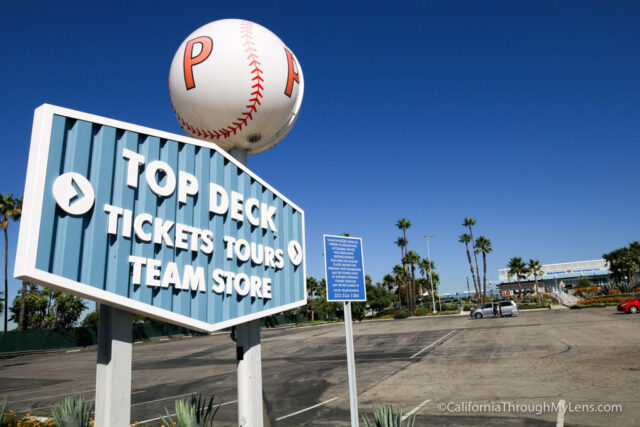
433,297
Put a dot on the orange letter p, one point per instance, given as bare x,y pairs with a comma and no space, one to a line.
189,60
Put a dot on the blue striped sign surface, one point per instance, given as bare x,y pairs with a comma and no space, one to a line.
159,224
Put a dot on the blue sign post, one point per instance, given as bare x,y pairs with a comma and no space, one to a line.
344,270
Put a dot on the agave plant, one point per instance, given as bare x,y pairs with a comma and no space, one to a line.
4,405
73,412
386,416
192,413
625,287
605,288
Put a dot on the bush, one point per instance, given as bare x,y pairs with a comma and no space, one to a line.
613,291
423,311
604,300
401,314
386,416
587,291
584,283
625,287
73,412
192,413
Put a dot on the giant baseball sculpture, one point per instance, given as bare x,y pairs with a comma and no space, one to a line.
236,84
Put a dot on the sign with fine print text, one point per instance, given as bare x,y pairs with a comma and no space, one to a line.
344,268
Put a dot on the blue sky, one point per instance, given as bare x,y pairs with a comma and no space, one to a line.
522,115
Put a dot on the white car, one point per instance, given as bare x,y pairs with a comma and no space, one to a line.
507,308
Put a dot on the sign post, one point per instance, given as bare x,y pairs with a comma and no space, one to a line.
344,270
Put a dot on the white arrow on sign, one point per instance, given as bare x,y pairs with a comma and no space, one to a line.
73,193
295,252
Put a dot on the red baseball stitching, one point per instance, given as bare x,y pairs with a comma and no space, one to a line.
246,32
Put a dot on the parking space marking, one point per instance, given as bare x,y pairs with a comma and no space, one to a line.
306,409
432,344
416,409
561,411
164,398
158,418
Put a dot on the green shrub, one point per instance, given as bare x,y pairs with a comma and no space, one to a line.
385,416
423,311
401,314
192,413
625,287
73,412
584,283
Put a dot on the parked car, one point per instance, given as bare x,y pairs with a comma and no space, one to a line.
631,306
507,308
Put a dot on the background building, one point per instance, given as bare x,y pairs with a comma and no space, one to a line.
557,276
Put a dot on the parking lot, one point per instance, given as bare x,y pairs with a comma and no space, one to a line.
445,370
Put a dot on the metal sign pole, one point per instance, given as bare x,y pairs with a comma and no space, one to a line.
351,365
249,358
113,370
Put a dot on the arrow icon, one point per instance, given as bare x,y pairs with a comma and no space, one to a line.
295,252
73,193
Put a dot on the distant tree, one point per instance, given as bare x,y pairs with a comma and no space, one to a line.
313,289
483,245
535,268
624,262
91,319
10,210
378,298
402,243
518,269
47,308
470,222
412,259
466,239
400,278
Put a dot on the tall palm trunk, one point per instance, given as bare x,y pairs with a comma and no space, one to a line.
537,292
23,304
473,274
475,256
484,276
6,279
519,288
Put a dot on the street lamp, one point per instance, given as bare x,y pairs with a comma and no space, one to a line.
433,297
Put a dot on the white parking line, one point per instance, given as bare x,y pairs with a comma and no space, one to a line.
561,411
416,409
306,409
159,418
46,397
164,398
432,344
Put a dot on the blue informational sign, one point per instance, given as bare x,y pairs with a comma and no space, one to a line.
155,223
344,268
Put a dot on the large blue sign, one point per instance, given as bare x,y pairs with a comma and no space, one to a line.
344,268
155,223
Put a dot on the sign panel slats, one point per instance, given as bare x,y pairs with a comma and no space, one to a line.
157,223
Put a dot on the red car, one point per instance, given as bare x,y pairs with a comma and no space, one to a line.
631,306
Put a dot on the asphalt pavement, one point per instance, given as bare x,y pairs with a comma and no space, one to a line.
443,370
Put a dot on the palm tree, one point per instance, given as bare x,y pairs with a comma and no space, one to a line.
313,288
535,268
412,259
426,269
402,242
519,269
465,238
399,274
483,245
10,209
469,222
